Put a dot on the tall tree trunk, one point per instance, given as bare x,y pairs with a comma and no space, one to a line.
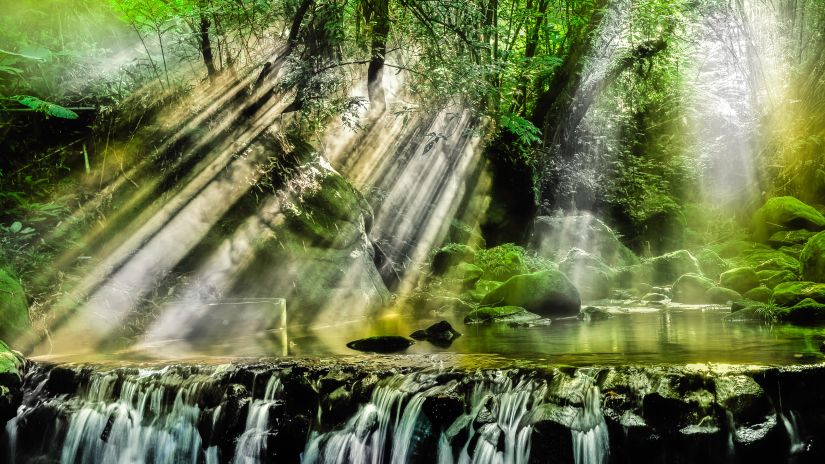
375,71
206,48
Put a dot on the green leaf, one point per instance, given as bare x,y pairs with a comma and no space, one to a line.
39,54
45,107
16,227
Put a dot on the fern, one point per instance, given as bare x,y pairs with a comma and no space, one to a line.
45,107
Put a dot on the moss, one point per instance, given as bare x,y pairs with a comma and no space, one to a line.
790,293
812,259
451,255
736,248
807,311
691,289
721,295
768,260
14,309
760,294
481,289
740,279
790,238
711,264
771,279
500,314
502,262
784,214
667,268
548,293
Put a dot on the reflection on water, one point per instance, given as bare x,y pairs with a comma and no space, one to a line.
644,335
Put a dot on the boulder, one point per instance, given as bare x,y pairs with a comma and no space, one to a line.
807,311
790,293
760,294
14,309
554,236
592,313
451,255
740,279
771,279
501,262
665,269
768,260
691,289
742,397
12,365
547,293
654,297
790,238
468,273
509,314
592,277
794,251
784,214
381,344
720,295
440,334
736,248
711,264
812,259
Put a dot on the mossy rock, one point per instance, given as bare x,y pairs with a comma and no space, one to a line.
784,214
760,294
691,289
461,232
748,310
593,314
740,279
807,311
487,315
481,289
14,309
381,344
768,260
711,264
554,236
665,269
790,293
771,279
721,295
469,273
790,238
501,262
547,293
812,259
11,362
592,277
736,248
451,255
794,251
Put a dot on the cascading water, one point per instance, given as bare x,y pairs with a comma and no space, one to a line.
252,443
591,443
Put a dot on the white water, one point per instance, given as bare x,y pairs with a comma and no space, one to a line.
591,443
252,443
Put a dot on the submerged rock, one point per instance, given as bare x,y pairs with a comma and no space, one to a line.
691,289
812,259
381,344
509,314
14,309
785,214
547,293
592,313
441,334
740,279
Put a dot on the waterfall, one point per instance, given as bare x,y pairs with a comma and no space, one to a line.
791,423
252,443
591,443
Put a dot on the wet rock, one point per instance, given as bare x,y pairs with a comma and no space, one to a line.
592,313
794,251
441,334
813,259
231,420
468,273
790,293
592,277
769,260
764,441
547,293
740,279
806,311
691,289
443,409
451,255
737,248
505,314
790,238
300,395
720,295
381,344
551,441
14,309
666,268
711,264
558,234
760,294
654,297
337,406
771,279
743,398
784,214
62,381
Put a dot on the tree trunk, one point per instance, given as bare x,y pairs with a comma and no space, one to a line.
206,48
375,71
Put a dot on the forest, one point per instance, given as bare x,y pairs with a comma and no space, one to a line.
412,231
